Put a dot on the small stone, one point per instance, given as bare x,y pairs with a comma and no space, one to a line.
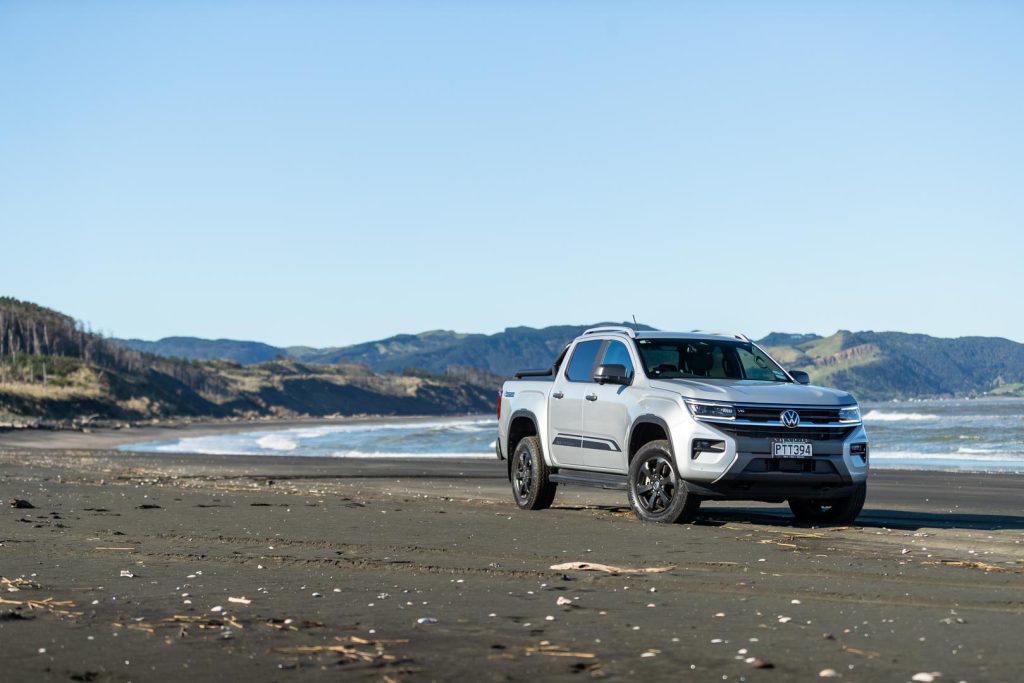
22,505
925,677
125,574
828,673
426,621
563,601
785,620
759,663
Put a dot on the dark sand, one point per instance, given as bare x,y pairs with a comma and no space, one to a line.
350,554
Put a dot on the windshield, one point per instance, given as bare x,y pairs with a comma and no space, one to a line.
707,359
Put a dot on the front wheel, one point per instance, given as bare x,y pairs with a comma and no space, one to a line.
531,487
656,493
832,511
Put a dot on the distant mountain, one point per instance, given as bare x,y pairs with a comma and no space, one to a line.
193,348
436,351
885,365
872,365
787,339
53,369
502,353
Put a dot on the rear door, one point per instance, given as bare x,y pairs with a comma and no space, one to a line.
606,415
565,406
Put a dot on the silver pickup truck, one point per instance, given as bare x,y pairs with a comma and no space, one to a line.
675,419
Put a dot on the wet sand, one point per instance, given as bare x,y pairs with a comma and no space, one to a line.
338,561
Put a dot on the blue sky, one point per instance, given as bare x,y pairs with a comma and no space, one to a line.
328,173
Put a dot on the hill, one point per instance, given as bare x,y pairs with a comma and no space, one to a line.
872,365
51,368
436,351
886,365
193,348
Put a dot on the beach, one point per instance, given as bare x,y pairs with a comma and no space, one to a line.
157,566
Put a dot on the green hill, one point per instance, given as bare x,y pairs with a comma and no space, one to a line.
885,365
872,365
193,348
436,351
51,368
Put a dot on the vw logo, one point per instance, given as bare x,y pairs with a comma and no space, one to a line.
790,418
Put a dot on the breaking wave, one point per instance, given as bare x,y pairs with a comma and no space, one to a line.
882,416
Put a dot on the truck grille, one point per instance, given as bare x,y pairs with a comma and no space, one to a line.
771,413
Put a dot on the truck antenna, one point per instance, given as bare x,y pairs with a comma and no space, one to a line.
636,327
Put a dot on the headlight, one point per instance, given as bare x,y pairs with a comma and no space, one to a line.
720,411
849,414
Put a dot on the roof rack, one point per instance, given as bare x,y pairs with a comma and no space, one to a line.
734,335
620,329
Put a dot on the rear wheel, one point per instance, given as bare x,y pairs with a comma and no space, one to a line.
656,493
831,511
531,487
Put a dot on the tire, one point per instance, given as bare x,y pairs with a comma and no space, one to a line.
656,493
531,487
831,511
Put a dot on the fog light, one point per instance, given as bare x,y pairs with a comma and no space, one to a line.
860,449
706,446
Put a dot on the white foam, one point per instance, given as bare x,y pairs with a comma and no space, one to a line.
439,425
414,456
992,456
881,416
276,442
987,451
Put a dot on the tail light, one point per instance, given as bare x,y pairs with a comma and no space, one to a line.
497,408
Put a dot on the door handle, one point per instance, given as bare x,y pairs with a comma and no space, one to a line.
557,394
591,397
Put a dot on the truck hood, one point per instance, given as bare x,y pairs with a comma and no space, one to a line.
749,391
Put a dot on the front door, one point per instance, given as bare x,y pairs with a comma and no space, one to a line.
565,406
606,416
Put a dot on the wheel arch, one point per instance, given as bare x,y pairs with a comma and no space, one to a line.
645,429
522,423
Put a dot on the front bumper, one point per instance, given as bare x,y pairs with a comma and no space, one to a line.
746,470
773,480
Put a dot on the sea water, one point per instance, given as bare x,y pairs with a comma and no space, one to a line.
984,435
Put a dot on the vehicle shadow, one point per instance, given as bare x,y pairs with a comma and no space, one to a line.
904,520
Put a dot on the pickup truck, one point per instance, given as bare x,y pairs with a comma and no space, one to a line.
678,418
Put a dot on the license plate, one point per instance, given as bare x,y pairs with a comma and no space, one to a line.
791,449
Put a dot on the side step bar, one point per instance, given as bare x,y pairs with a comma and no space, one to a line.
599,480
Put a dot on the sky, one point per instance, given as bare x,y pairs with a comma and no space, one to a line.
326,173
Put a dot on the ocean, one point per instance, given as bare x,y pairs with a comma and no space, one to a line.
983,435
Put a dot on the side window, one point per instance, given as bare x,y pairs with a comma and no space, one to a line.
618,354
582,362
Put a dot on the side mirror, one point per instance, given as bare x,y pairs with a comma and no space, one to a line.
800,376
611,374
